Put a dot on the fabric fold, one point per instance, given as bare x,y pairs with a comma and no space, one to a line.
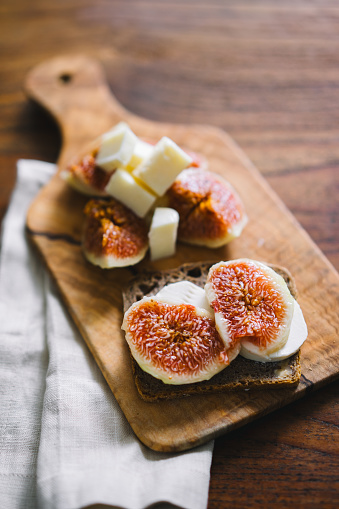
74,446
23,352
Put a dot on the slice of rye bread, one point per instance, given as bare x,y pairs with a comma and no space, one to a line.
240,374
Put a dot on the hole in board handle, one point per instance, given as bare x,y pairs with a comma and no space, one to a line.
65,78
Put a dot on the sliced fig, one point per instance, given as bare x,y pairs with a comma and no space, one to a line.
85,176
113,235
296,337
176,343
186,292
252,304
211,212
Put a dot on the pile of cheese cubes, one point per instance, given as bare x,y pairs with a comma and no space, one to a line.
143,173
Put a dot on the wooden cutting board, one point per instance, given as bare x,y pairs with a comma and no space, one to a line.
75,92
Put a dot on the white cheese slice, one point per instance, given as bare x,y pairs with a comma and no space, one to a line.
116,147
163,233
165,163
124,188
184,292
297,336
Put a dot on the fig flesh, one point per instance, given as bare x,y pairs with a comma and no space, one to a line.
86,177
113,235
211,212
252,305
175,342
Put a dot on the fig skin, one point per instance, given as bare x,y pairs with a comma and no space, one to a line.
211,212
252,305
176,343
113,235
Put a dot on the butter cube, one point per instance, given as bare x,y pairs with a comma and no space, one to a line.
128,191
163,233
163,165
116,148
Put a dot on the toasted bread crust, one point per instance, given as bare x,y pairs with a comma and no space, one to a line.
240,374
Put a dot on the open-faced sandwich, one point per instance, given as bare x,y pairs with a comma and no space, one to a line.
213,327
199,328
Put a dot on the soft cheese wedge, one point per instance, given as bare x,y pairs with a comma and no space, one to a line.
185,292
116,147
165,163
163,233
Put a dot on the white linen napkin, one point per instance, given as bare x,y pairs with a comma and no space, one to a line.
64,440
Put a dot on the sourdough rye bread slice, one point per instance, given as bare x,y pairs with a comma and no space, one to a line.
240,374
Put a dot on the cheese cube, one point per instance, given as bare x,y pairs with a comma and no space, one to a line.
116,148
142,151
126,189
163,233
163,166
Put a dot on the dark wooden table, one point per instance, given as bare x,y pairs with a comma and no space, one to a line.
268,73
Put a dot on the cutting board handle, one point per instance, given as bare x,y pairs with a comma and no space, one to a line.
74,90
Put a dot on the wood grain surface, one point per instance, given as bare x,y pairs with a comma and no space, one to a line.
74,91
267,73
